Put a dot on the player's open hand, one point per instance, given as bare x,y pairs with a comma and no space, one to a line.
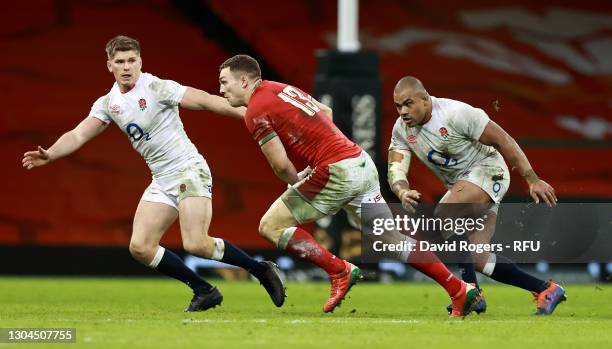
542,190
35,158
410,199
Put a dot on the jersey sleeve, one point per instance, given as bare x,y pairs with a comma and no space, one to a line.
259,125
398,137
99,110
168,92
470,122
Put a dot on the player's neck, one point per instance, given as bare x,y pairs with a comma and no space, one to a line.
255,86
427,118
428,114
126,88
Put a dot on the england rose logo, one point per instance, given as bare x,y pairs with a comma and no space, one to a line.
142,103
443,132
115,109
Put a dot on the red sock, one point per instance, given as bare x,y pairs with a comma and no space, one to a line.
428,263
303,245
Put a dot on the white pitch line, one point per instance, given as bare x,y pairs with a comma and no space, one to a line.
309,321
356,320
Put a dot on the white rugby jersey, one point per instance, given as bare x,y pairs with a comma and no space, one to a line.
149,115
448,142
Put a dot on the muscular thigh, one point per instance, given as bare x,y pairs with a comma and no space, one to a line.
151,221
473,200
464,199
278,215
276,220
466,192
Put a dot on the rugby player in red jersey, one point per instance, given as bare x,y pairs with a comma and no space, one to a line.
288,123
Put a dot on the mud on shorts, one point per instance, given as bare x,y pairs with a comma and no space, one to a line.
491,175
341,185
193,179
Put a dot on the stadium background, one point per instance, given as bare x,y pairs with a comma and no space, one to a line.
541,70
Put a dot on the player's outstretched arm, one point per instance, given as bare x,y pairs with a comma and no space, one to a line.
195,99
280,163
398,164
66,144
497,137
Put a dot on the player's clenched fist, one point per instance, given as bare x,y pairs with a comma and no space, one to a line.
35,158
410,199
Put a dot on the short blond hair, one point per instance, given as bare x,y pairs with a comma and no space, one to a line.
121,43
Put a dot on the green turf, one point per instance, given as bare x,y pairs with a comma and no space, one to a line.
129,313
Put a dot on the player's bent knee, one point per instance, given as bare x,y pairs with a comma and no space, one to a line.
142,252
264,226
269,230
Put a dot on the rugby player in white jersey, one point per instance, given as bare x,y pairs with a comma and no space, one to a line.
466,150
146,109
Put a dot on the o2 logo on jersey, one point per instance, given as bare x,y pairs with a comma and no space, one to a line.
136,133
300,100
439,159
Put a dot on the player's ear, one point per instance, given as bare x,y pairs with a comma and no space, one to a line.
244,81
425,98
108,65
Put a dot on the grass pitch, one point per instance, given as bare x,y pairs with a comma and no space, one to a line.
147,313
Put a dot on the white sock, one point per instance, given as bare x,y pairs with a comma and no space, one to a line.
157,258
283,240
218,249
489,267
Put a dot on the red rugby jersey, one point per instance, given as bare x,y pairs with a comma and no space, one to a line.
308,134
